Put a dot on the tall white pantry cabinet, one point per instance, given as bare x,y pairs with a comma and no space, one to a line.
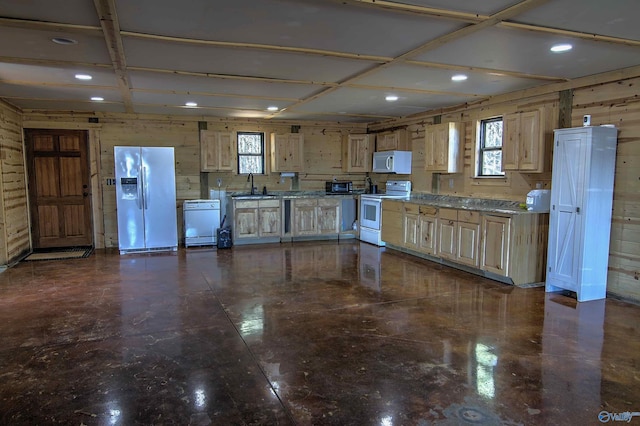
584,160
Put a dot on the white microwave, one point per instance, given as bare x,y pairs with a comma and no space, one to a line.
392,162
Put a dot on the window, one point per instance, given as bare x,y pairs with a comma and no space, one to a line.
250,153
490,152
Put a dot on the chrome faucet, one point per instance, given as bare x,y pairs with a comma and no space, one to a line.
250,178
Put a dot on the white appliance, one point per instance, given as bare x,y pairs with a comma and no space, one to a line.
201,221
584,161
146,199
392,162
371,210
539,200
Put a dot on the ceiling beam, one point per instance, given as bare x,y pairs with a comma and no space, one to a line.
258,46
233,77
433,44
575,34
52,62
491,71
49,26
216,95
111,28
412,90
419,10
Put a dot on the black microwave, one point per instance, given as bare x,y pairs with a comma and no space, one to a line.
334,187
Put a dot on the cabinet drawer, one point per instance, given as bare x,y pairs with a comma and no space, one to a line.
306,202
411,208
391,205
252,204
323,202
468,216
428,210
269,203
449,214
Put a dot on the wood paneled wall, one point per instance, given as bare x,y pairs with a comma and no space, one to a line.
14,212
608,103
617,103
323,147
322,157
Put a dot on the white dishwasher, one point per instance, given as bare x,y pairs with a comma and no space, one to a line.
201,220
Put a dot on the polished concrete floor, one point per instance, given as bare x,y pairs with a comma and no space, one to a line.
306,333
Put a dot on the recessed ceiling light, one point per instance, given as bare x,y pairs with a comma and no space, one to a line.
64,41
459,77
83,77
191,104
561,48
97,98
391,98
272,108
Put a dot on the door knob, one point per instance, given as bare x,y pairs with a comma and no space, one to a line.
85,194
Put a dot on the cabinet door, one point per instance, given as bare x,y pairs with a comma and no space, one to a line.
411,231
305,217
217,151
523,142
495,244
447,236
443,151
510,141
427,228
270,220
358,153
531,142
387,142
430,148
468,243
565,222
392,226
287,152
246,220
328,214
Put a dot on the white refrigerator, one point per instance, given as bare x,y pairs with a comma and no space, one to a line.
146,199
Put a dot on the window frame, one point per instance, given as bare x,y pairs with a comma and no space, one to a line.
262,155
482,149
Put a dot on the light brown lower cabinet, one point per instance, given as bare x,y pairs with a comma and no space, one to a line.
428,225
496,232
488,242
256,219
316,216
447,234
392,218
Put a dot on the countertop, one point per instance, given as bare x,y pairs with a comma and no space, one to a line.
290,195
468,203
445,201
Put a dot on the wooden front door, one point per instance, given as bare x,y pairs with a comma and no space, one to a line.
59,188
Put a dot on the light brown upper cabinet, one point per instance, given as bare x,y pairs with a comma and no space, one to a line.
397,140
357,153
526,138
217,151
287,152
443,148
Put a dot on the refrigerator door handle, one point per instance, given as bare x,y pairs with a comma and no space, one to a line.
145,188
139,192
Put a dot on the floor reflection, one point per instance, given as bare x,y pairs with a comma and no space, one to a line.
304,333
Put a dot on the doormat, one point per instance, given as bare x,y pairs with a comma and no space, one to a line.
59,254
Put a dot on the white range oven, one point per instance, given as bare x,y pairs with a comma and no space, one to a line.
371,210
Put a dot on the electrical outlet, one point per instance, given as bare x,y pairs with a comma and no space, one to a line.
451,183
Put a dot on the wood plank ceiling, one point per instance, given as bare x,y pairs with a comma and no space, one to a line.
313,59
